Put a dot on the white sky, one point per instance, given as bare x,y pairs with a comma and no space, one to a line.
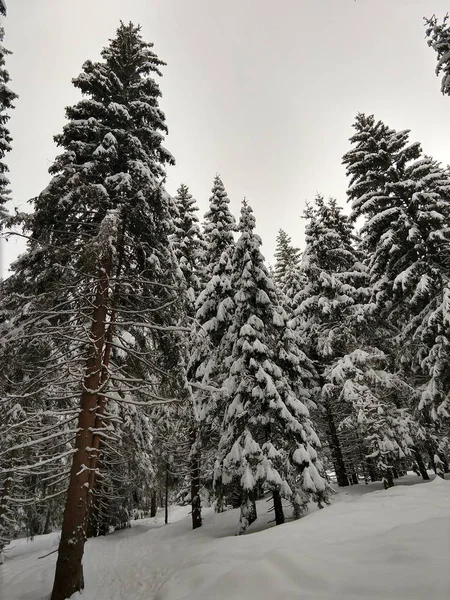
263,92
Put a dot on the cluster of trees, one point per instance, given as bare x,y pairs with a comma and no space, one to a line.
143,353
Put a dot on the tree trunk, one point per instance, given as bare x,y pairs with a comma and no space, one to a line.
96,447
335,446
355,479
166,497
196,504
47,528
153,504
69,567
420,464
278,507
388,480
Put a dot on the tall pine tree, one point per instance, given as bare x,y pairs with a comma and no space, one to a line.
7,97
267,440
100,271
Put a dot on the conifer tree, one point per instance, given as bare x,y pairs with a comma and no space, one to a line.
100,271
267,438
215,307
7,97
188,243
323,308
287,272
403,198
189,248
438,35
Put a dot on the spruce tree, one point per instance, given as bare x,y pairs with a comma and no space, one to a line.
188,243
100,271
287,273
267,440
215,307
403,198
189,248
438,35
324,308
7,97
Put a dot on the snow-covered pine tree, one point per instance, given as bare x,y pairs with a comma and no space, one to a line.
7,97
323,307
215,308
287,274
99,279
188,243
403,198
189,248
285,254
267,440
438,35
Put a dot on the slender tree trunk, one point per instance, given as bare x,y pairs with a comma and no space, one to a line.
69,567
420,464
196,504
278,507
166,498
388,480
153,504
355,479
47,528
336,451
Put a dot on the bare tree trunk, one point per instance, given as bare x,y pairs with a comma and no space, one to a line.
195,481
96,446
278,507
388,479
166,498
153,504
69,567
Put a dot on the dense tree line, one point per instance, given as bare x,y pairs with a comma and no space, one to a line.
147,358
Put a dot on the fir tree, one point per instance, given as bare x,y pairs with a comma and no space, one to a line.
215,307
404,200
267,439
438,35
324,307
287,273
100,268
7,97
189,248
188,243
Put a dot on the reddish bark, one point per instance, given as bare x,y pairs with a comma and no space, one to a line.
69,567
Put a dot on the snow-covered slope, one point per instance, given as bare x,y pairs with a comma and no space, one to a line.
389,545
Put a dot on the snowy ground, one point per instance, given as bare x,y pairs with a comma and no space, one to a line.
389,545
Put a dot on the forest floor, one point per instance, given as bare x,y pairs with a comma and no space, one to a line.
370,544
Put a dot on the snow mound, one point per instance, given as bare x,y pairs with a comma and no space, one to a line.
388,545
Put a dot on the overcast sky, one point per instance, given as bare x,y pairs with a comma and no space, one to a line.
263,92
